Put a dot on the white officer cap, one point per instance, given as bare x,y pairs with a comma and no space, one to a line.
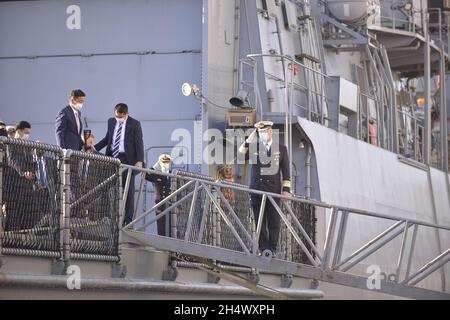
165,158
263,125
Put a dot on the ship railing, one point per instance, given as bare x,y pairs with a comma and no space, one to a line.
52,208
214,220
220,214
410,136
437,22
302,83
31,198
411,24
439,28
58,203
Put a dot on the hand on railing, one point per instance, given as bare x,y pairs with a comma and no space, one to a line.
29,176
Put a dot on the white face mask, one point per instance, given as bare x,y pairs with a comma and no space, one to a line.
26,136
264,136
78,106
165,167
121,120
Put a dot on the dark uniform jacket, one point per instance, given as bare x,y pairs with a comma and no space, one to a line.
270,169
162,185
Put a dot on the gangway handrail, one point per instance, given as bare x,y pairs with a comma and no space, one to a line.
224,184
67,189
328,267
288,58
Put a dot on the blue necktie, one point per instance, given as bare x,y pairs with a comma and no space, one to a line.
117,141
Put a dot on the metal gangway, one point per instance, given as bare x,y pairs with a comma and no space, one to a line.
205,206
70,205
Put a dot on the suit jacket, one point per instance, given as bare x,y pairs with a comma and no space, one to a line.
67,135
134,144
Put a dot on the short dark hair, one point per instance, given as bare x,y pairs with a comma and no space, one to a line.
77,93
121,108
3,131
23,125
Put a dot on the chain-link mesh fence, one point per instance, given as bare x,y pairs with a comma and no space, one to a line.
240,203
223,215
201,206
94,204
30,197
236,206
206,217
287,245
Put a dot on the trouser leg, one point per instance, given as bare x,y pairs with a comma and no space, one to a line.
161,223
129,205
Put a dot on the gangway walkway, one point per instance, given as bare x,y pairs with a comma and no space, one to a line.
69,205
327,264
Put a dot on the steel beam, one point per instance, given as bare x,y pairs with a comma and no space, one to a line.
329,239
427,79
304,233
191,212
204,214
278,266
340,238
371,251
402,250
358,37
292,231
411,251
227,221
156,206
443,96
236,218
259,224
125,191
166,211
429,268
368,244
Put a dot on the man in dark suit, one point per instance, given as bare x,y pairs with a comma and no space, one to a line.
69,126
3,131
124,141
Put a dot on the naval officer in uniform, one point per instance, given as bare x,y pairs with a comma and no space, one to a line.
162,185
270,173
